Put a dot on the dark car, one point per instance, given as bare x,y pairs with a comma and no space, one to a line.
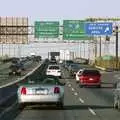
73,69
67,63
16,67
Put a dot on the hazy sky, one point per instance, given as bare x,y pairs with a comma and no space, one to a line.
60,9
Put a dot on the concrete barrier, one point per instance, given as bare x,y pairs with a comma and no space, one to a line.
101,68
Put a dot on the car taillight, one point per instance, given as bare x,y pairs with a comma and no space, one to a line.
23,91
56,90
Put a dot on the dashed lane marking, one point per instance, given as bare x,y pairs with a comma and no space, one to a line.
81,100
92,111
69,85
73,89
75,93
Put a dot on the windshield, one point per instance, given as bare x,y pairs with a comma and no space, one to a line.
50,81
91,72
42,80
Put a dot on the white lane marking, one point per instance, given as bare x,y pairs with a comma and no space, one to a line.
75,93
8,109
69,85
73,89
92,111
81,100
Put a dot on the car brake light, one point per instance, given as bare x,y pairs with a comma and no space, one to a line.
56,90
23,91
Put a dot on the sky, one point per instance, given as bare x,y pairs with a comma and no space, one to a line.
59,9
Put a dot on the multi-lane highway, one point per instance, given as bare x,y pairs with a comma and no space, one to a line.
79,103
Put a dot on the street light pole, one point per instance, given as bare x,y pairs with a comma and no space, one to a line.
117,47
100,47
95,48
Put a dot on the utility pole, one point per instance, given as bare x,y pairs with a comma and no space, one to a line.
100,47
117,59
95,48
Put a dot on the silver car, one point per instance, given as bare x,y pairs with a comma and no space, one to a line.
46,90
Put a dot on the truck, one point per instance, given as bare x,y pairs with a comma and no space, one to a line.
66,55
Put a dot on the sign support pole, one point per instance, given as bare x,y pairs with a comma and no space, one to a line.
100,46
117,59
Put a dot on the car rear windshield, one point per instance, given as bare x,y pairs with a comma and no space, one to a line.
54,67
42,80
91,72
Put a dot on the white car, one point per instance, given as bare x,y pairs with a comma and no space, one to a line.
77,76
45,90
54,70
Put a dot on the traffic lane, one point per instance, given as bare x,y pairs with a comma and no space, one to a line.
73,110
106,92
99,99
110,77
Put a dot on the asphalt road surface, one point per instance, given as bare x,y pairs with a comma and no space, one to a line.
79,103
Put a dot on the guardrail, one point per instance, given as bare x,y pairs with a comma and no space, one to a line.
9,90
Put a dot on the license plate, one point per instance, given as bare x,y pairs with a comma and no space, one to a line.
41,91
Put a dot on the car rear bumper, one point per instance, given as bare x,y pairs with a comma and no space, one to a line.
39,98
57,75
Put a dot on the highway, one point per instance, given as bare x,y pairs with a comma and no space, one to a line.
79,103
4,72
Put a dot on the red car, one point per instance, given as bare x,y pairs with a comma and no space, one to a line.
90,77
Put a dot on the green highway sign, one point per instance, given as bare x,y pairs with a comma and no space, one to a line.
46,29
74,30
